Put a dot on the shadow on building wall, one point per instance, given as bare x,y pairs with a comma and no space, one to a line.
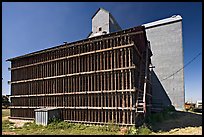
159,95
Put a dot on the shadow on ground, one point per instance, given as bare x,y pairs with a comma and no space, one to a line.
181,120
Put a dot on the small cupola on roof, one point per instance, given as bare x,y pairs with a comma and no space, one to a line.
103,23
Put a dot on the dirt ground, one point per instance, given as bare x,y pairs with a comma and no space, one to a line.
19,123
186,123
8,133
183,131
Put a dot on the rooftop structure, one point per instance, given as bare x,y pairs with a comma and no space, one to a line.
103,23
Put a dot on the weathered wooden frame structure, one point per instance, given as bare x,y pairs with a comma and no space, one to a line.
100,80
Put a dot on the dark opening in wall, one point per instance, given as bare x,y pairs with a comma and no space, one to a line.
100,29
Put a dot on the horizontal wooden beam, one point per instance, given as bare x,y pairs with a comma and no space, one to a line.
76,55
73,93
74,121
102,123
74,74
84,92
81,107
21,118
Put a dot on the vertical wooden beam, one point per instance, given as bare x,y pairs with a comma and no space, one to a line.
123,98
102,94
130,82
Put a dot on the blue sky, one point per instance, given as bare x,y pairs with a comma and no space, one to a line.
29,27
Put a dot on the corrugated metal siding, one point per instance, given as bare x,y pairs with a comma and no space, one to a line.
41,117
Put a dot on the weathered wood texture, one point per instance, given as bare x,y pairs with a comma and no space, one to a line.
97,80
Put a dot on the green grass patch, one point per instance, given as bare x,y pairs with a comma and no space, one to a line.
60,128
142,130
7,125
57,127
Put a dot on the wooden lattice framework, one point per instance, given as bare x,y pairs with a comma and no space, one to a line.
99,80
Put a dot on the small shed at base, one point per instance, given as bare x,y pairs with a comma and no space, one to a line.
43,115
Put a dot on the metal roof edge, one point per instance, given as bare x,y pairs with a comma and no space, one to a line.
171,19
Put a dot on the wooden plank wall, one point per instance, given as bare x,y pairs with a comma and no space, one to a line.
91,82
